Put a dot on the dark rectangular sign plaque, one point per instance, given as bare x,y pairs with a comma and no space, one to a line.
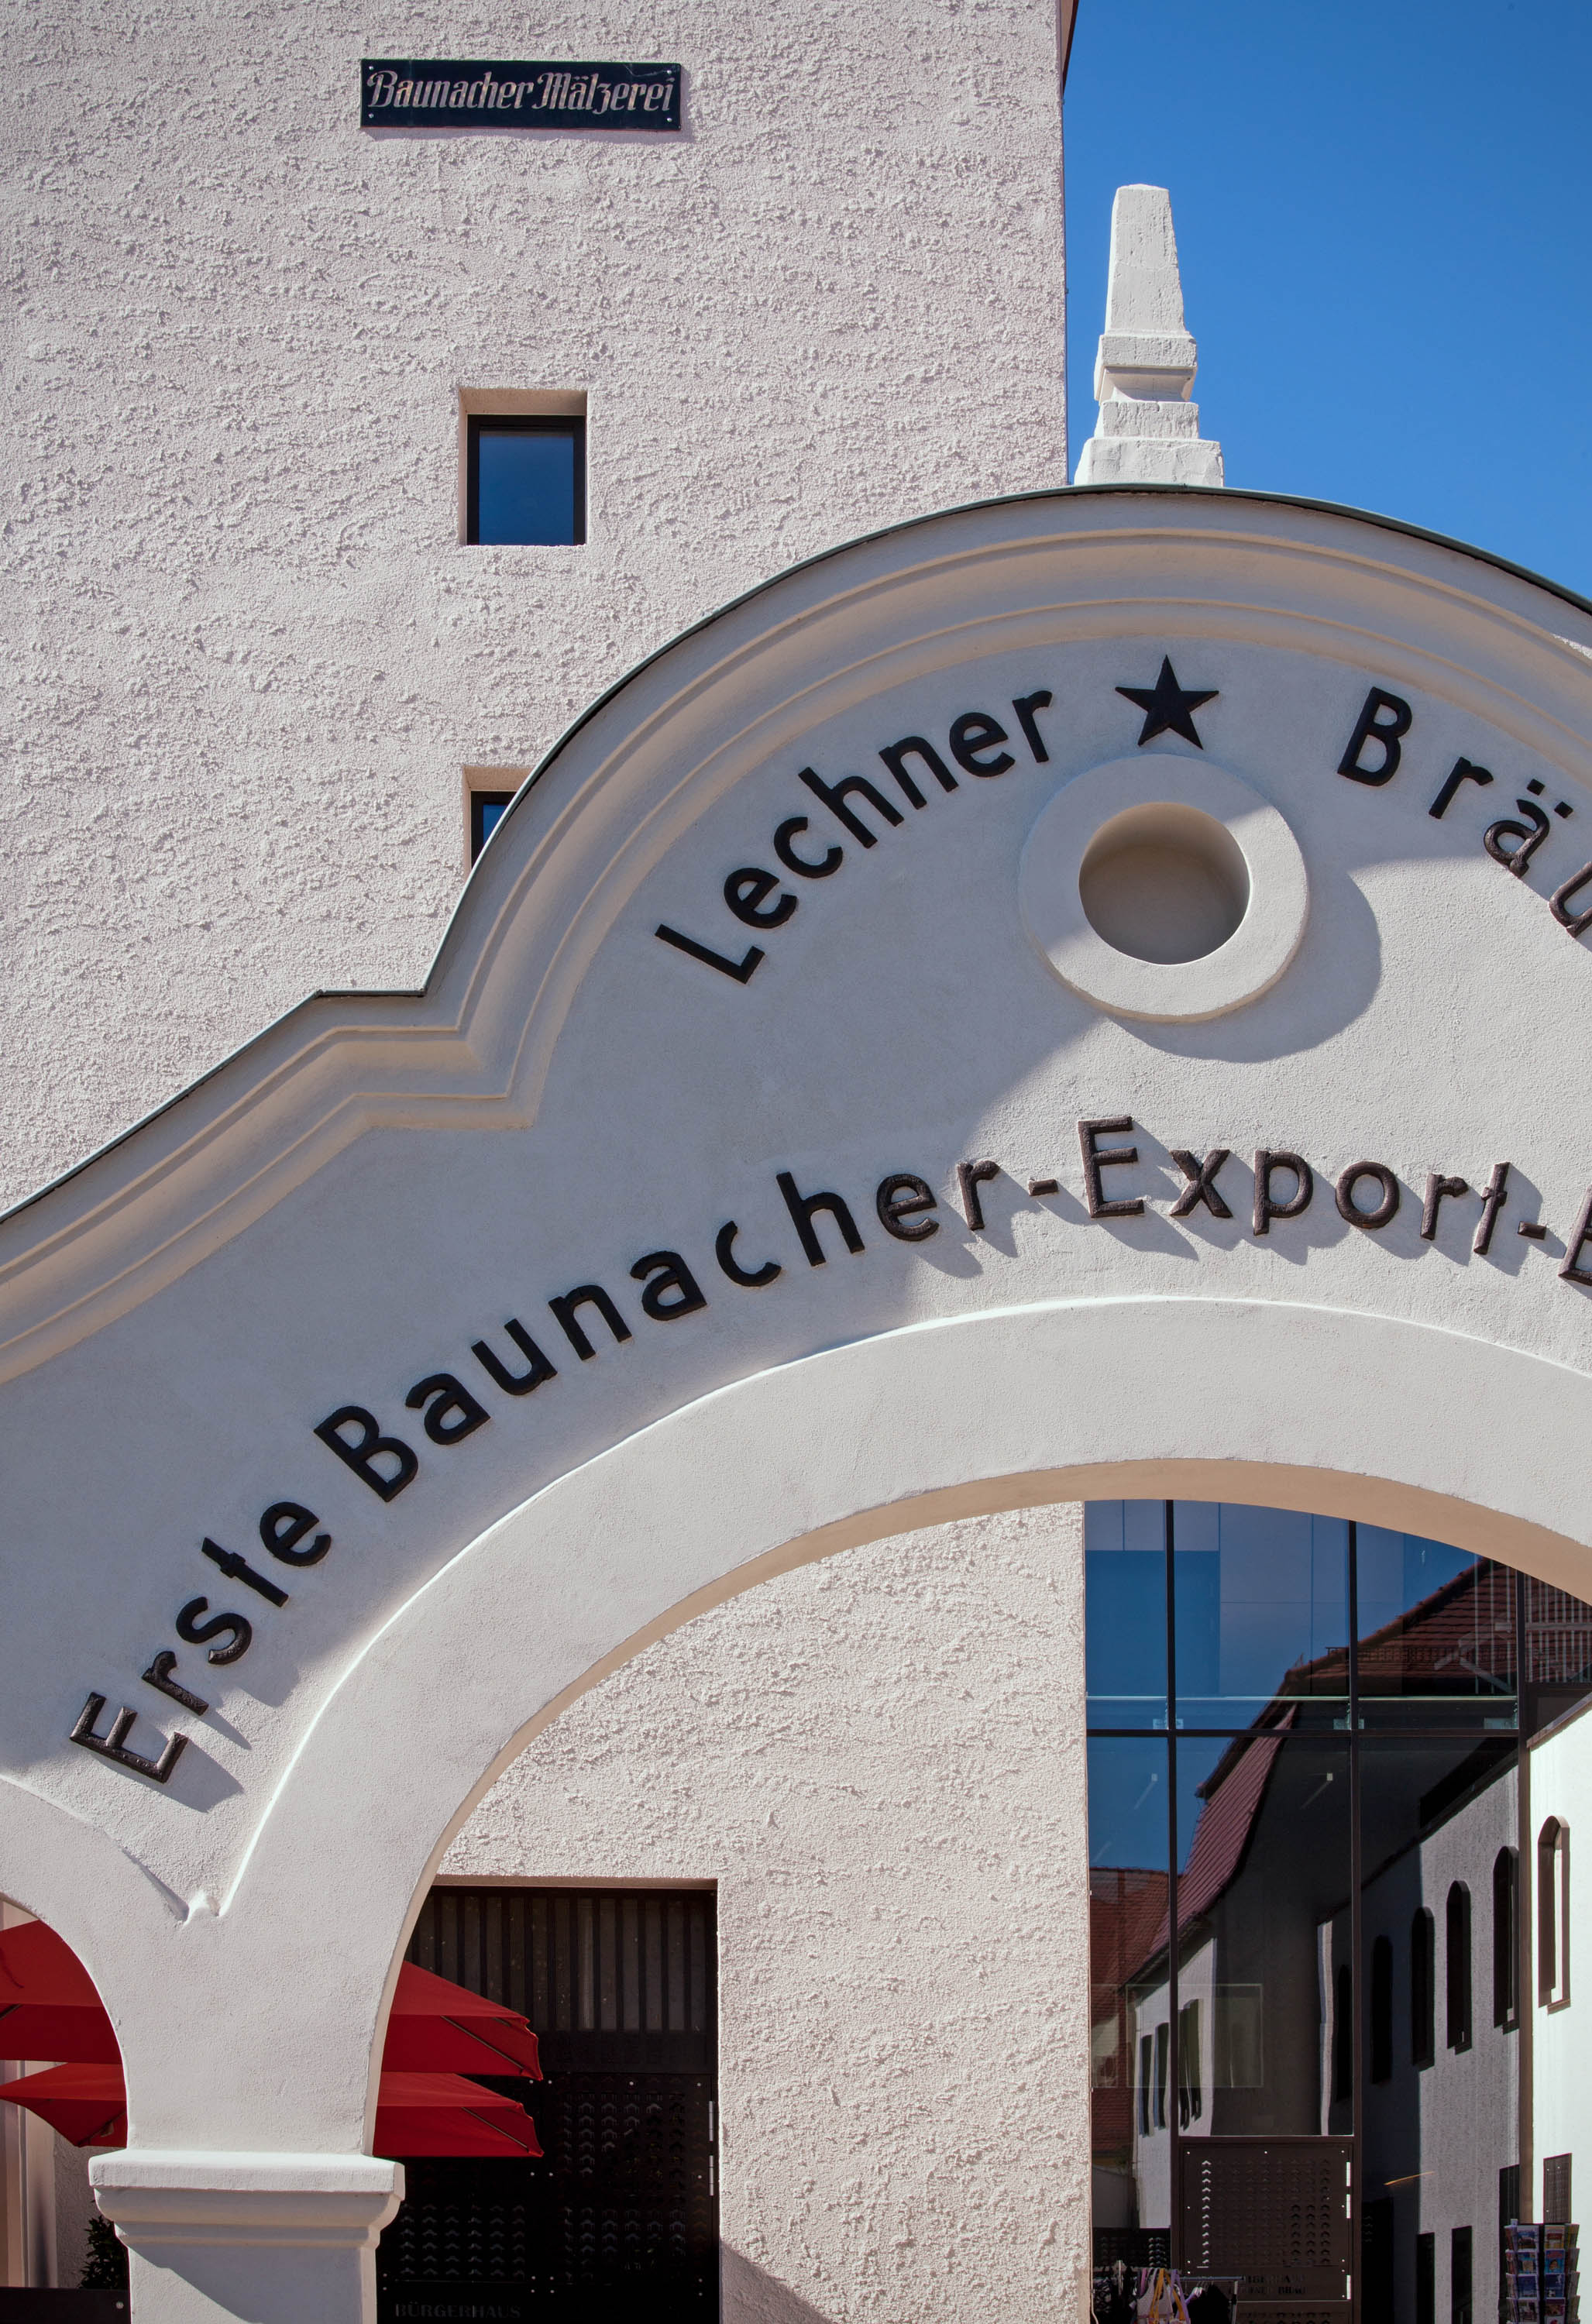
463,93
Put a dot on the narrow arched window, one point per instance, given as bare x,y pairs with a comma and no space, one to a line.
1382,2010
1457,1967
1505,1938
1553,1913
1423,1989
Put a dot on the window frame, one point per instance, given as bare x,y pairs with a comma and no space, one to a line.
524,423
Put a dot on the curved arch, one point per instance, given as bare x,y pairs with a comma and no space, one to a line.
1031,1406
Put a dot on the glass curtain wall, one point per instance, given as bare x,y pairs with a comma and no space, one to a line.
1311,1956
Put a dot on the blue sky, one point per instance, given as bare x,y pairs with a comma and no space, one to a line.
1385,218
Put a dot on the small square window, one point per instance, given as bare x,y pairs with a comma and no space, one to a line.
487,809
526,480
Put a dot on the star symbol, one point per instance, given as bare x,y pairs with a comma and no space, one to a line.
1167,707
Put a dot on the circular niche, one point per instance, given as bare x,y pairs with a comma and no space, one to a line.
1164,888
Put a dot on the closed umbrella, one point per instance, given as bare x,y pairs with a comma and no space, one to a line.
416,2113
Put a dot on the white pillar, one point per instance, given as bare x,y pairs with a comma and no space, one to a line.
269,2238
1148,431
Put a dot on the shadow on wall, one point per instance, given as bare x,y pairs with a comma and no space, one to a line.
751,2297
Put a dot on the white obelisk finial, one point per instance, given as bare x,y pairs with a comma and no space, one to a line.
1148,431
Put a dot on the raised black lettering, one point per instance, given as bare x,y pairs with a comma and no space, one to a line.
1098,1159
1380,1211
1438,1189
1578,923
162,1675
746,893
901,1197
750,1279
366,1454
238,1569
1024,706
802,1207
1512,845
588,1294
672,1290
1385,731
1202,1186
970,1178
836,795
1461,772
113,1746
974,732
193,1632
784,847
451,1412
1572,1271
1493,1199
741,970
1267,1160
915,745
284,1525
538,1367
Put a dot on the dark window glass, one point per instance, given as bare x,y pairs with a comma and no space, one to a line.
1129,1782
1343,2035
1263,1900
527,482
487,809
1125,1625
1426,2280
1381,2061
1262,1612
1231,1950
1556,2188
1505,1938
1423,1989
1456,1965
1459,2278
1558,1652
1378,2306
1548,1912
1191,2096
1436,1631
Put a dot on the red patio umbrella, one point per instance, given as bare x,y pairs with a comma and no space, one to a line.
48,2008
416,2113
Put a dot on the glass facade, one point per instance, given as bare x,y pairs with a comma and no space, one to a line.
1332,2050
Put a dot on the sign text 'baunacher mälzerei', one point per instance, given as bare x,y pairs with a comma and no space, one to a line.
464,93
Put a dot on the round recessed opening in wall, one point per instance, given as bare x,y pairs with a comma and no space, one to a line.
1164,882
1163,888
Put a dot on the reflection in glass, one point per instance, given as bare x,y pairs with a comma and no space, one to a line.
1128,1886
1442,2125
1263,1875
1337,1976
1262,1598
1125,1623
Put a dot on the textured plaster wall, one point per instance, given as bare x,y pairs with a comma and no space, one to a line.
248,658
880,1761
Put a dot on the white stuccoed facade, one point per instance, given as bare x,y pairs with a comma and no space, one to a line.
249,659
782,1591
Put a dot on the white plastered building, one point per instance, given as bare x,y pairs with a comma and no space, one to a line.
1038,862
